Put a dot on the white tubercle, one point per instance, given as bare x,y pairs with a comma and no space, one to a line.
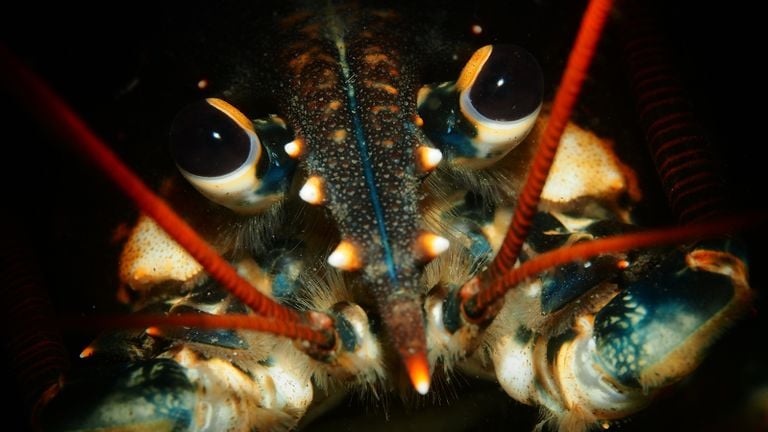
429,157
293,148
345,257
312,191
433,245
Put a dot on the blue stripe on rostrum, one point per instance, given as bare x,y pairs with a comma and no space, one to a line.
366,159
368,170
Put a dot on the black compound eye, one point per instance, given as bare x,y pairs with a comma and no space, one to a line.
212,139
508,85
232,160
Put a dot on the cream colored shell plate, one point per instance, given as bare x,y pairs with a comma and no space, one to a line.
586,165
150,256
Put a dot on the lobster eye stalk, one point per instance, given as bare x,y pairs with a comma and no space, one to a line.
240,164
489,110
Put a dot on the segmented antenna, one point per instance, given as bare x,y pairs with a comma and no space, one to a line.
51,110
289,329
37,355
680,151
690,173
576,69
575,72
475,307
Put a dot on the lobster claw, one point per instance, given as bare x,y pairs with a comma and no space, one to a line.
640,327
658,328
190,387
148,395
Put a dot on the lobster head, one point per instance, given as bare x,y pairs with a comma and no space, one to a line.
362,137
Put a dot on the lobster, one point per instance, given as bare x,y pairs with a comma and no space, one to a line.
265,130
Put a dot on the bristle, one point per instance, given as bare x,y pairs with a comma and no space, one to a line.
322,293
497,183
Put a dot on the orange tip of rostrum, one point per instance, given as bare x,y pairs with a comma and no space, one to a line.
418,370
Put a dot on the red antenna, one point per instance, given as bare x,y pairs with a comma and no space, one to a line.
475,307
570,86
50,109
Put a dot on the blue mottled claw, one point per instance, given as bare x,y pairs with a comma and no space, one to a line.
596,346
150,395
658,328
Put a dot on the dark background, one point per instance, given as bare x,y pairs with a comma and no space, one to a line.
117,66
